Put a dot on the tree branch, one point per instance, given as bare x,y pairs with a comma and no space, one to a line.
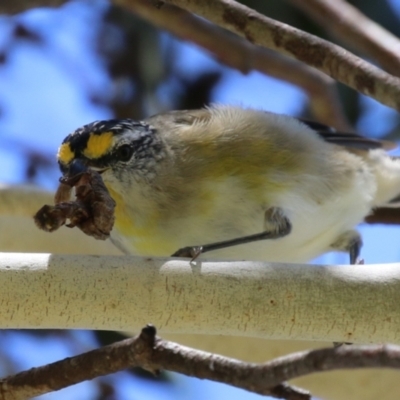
358,303
321,54
242,55
145,350
261,30
149,351
245,57
351,26
17,6
388,216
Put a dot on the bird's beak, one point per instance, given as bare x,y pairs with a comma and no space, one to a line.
76,167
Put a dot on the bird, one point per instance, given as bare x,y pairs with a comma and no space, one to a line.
234,183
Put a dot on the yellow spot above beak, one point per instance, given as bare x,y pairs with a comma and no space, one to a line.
98,145
65,154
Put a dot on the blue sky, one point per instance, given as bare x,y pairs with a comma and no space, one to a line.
43,98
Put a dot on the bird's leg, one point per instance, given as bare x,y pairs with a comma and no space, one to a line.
354,253
276,226
351,243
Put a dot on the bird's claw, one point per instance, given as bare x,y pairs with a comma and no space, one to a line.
189,252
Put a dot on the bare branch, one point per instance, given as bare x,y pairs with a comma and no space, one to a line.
321,54
242,55
258,29
351,26
322,90
389,216
149,351
17,6
359,303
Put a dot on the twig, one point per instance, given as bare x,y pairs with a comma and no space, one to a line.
322,92
244,56
258,29
321,54
351,26
152,353
147,351
388,216
324,101
16,6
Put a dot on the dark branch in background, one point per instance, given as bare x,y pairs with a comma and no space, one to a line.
198,91
259,29
321,54
152,353
242,55
17,6
131,49
352,27
388,216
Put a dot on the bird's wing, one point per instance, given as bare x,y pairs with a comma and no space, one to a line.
350,140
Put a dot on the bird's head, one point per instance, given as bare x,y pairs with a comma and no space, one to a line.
121,150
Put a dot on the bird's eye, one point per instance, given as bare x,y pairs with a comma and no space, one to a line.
124,153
